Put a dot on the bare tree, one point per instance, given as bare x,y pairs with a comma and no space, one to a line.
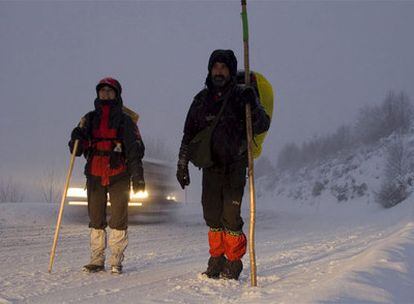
49,185
343,138
398,112
10,191
393,115
397,177
316,149
289,157
370,124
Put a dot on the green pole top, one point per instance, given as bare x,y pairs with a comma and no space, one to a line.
245,25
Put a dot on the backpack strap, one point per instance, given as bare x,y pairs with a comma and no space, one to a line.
226,98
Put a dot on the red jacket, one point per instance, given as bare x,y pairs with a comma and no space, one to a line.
112,145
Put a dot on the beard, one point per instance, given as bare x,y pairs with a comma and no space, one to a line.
219,81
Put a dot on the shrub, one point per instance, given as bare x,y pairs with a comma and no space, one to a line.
318,187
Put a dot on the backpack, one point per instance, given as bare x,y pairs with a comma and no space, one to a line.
266,97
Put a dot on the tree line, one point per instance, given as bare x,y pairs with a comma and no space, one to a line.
393,115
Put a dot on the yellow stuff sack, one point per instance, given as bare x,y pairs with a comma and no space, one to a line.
265,90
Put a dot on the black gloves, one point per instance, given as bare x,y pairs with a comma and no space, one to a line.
78,134
248,95
183,176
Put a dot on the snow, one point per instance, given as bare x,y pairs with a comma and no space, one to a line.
306,253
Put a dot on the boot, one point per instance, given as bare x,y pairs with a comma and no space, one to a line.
98,246
91,268
118,242
116,269
232,269
215,266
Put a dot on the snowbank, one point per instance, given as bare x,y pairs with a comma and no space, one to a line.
306,253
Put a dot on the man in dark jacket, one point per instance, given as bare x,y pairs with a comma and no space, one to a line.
224,181
113,147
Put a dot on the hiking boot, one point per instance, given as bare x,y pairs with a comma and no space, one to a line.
232,269
116,269
215,266
91,268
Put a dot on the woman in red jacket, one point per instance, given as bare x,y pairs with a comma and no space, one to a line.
113,147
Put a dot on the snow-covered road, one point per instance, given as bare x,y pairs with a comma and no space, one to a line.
305,254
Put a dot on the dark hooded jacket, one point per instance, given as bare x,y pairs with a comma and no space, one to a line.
229,143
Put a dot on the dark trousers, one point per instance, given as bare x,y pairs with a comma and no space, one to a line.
97,200
222,195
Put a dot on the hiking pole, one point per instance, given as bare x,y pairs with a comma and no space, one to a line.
252,254
62,202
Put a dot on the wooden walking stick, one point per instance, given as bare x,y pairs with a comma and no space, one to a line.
252,254
62,202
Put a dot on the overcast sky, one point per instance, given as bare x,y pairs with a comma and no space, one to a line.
324,59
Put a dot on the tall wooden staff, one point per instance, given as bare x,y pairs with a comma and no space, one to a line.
252,254
62,202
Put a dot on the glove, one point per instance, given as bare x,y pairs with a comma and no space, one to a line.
248,95
183,176
78,134
138,184
79,151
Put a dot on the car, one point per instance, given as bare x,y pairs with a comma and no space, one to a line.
161,193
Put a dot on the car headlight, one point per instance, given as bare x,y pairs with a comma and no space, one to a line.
74,203
135,204
138,195
77,192
81,193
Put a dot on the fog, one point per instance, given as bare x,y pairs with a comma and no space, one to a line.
324,59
